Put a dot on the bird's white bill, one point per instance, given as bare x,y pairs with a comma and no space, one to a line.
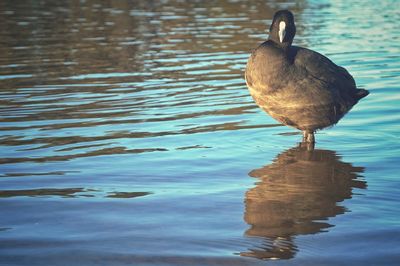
282,30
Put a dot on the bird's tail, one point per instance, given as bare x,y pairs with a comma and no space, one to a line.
361,93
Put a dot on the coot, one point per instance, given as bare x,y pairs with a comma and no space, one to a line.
297,86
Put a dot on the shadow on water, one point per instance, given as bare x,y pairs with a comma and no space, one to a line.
295,195
70,193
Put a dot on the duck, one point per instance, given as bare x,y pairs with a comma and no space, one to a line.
296,86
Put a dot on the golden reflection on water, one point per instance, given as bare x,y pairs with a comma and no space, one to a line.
82,80
296,195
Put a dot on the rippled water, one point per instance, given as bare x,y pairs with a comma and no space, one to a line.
128,137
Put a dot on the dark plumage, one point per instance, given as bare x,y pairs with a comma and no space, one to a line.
297,86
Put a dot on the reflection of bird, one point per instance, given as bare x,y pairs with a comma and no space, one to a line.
296,86
295,195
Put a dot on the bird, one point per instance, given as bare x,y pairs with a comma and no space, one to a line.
297,86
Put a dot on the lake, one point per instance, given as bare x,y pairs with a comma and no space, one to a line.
128,137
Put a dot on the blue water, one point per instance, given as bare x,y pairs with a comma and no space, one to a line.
128,137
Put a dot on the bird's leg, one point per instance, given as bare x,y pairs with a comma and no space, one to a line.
308,136
304,136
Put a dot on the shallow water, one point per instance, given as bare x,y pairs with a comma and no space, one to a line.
128,137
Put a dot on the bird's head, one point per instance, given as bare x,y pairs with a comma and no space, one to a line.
282,29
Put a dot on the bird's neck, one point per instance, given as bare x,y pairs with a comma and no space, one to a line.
285,46
277,43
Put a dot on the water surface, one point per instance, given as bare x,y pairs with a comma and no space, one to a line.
128,137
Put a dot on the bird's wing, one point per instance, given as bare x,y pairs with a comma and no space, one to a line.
327,77
320,67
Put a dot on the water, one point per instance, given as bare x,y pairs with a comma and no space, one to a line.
128,137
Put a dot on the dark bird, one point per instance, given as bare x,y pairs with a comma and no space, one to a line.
297,86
